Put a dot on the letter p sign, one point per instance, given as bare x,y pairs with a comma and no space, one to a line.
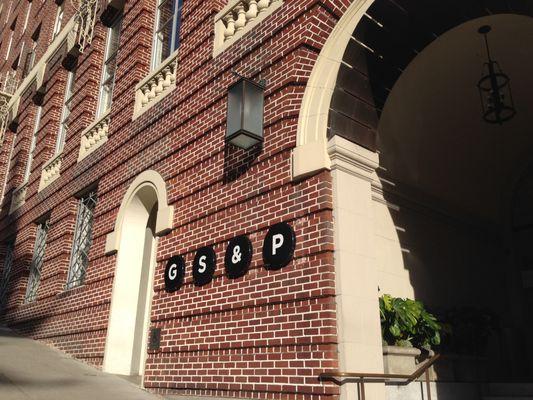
278,246
277,242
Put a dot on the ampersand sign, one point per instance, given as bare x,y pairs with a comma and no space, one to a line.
238,257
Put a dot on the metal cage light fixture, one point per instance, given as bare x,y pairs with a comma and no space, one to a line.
494,88
245,113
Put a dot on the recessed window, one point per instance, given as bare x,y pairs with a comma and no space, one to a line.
59,21
33,143
6,272
167,33
110,64
28,12
79,259
29,60
8,52
67,104
37,261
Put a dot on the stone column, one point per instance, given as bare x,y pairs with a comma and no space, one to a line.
359,331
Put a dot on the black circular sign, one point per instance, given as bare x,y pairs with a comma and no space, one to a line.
174,273
203,266
278,247
238,257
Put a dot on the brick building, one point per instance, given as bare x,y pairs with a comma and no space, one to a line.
114,160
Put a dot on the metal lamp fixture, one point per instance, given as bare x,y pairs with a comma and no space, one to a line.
495,89
245,113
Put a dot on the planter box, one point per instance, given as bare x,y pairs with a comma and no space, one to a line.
400,360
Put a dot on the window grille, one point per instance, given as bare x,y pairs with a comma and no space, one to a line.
110,65
6,273
167,33
79,259
67,106
33,143
37,261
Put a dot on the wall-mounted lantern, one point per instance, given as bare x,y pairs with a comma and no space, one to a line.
245,113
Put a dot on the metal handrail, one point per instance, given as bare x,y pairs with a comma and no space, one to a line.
361,376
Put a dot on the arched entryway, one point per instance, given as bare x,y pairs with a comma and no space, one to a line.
420,181
143,215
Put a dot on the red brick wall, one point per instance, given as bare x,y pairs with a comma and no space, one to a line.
265,335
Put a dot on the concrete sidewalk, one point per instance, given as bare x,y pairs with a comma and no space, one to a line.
31,370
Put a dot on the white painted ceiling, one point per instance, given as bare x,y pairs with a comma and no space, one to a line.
431,134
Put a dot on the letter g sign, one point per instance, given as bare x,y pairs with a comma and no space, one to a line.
174,273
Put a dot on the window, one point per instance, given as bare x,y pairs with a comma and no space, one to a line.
166,37
67,103
30,60
110,65
28,12
9,44
58,22
27,171
79,259
37,261
6,272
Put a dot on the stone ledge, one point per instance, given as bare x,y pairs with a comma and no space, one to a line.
94,136
157,85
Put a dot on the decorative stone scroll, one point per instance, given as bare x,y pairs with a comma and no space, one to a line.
50,171
156,85
94,136
18,197
239,17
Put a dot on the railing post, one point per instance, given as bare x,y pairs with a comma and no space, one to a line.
428,384
362,389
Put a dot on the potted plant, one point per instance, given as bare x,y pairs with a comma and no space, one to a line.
408,330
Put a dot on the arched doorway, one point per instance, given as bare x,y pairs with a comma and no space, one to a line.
419,180
143,216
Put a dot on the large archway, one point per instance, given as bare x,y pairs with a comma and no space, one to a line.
143,215
421,184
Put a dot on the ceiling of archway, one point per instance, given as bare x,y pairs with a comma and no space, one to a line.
387,38
431,134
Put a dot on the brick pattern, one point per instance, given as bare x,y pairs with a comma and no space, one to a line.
265,335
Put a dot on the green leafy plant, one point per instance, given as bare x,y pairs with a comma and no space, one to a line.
406,322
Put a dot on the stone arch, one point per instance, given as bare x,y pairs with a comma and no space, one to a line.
165,212
310,154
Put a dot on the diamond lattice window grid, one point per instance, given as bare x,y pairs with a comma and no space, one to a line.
6,273
79,258
37,261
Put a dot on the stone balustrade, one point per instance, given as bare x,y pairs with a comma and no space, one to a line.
239,17
18,198
156,85
94,136
50,171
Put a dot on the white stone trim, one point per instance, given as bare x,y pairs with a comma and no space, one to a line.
165,212
156,86
356,279
18,198
38,70
51,171
238,18
94,136
313,118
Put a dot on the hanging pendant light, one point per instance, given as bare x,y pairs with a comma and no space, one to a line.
494,89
